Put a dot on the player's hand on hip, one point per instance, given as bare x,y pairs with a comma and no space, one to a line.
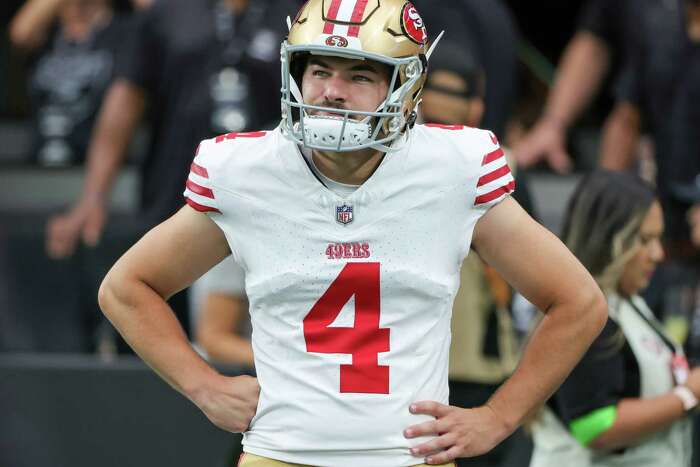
231,403
460,432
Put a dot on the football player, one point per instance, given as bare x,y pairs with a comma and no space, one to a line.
351,223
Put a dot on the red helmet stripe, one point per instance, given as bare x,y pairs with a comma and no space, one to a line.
357,15
332,14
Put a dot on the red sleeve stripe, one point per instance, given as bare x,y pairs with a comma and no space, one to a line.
199,170
200,190
492,156
201,207
497,193
489,177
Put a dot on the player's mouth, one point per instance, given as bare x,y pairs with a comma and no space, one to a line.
323,113
330,113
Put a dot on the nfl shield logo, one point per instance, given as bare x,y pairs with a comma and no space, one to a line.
343,214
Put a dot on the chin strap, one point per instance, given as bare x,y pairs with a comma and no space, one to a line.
395,145
294,89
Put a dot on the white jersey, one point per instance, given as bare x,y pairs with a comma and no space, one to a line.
350,298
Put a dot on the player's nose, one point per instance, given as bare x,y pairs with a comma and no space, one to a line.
337,89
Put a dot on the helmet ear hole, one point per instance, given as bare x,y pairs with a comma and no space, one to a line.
297,66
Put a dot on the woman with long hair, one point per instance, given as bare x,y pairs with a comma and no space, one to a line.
626,403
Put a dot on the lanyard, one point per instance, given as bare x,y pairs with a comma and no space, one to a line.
679,363
669,343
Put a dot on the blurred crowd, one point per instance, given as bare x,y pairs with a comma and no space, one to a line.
625,97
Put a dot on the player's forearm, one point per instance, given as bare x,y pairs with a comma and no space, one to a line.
30,26
150,327
556,346
120,114
580,73
638,418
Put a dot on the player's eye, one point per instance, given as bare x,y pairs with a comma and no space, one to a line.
320,72
362,78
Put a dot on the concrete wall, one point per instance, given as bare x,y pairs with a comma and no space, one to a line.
74,411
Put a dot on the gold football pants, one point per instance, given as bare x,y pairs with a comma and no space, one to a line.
251,460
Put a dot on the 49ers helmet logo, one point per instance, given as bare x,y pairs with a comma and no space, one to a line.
336,41
413,25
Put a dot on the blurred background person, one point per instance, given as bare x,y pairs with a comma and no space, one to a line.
626,403
485,347
604,39
489,29
73,47
682,311
659,92
198,68
70,50
221,322
222,328
681,304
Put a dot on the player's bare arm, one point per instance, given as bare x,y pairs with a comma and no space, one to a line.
540,267
119,115
621,134
166,260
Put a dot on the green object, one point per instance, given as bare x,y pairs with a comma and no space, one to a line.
536,62
587,428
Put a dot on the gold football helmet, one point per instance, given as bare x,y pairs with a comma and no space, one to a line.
386,31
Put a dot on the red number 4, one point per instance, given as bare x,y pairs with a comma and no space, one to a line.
364,340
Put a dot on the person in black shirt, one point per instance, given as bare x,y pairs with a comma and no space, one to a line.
74,48
488,27
604,41
658,93
198,68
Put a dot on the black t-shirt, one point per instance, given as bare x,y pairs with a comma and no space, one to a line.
66,86
662,81
180,49
615,22
682,148
495,26
611,21
607,373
